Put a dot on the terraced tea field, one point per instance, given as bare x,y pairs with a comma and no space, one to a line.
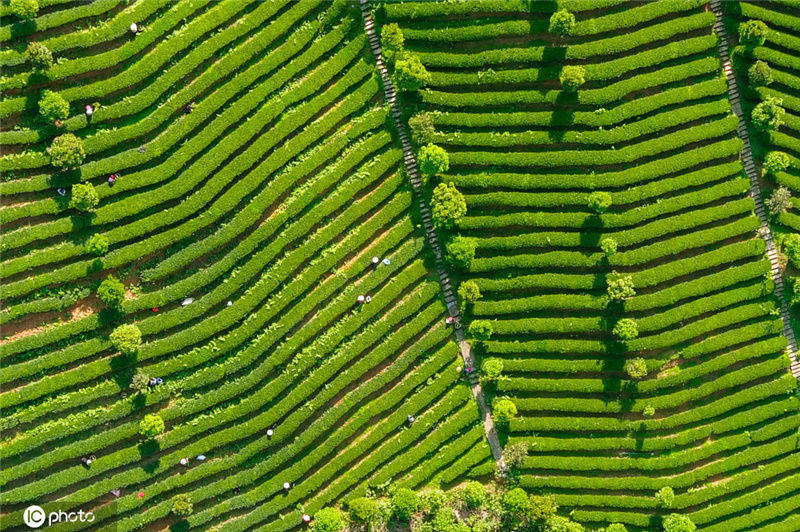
221,283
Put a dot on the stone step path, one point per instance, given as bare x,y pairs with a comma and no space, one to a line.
430,234
753,173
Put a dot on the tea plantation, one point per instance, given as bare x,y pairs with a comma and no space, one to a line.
225,305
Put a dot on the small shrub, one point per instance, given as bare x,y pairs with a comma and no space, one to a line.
599,201
364,510
432,499
481,329
759,74
619,287
182,505
111,291
504,410
768,115
39,55
562,22
84,197
572,77
753,32
474,494
609,246
616,527
126,339
151,426
405,503
636,368
444,520
392,41
52,106
515,454
776,161
410,74
422,128
542,507
97,244
469,291
492,368
557,523
328,520
460,252
66,151
665,497
515,503
649,411
140,382
24,9
626,329
433,160
678,523
779,201
448,205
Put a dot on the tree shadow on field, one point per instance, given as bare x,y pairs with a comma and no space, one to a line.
123,367
180,526
149,448
590,231
563,115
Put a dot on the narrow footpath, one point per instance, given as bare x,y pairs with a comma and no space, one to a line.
753,173
431,236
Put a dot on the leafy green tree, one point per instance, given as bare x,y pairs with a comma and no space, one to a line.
364,510
97,244
431,499
768,115
776,161
405,503
444,520
514,454
460,252
572,77
492,368
474,494
52,106
609,246
665,497
649,411
481,329
84,197
448,205
410,74
151,425
504,410
422,128
126,339
39,55
182,505
111,291
24,9
619,286
392,41
599,201
515,504
140,382
557,523
616,527
626,329
66,151
636,368
469,291
791,247
678,523
779,201
433,160
759,74
562,22
542,507
753,32
328,520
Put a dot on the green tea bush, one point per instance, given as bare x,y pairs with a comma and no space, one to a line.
111,291
97,244
759,74
448,205
572,77
636,368
492,368
84,197
24,9
768,115
66,151
328,520
626,329
410,74
433,160
481,329
182,505
504,410
126,339
52,106
599,201
405,503
776,161
151,425
474,494
460,252
562,22
753,32
39,55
